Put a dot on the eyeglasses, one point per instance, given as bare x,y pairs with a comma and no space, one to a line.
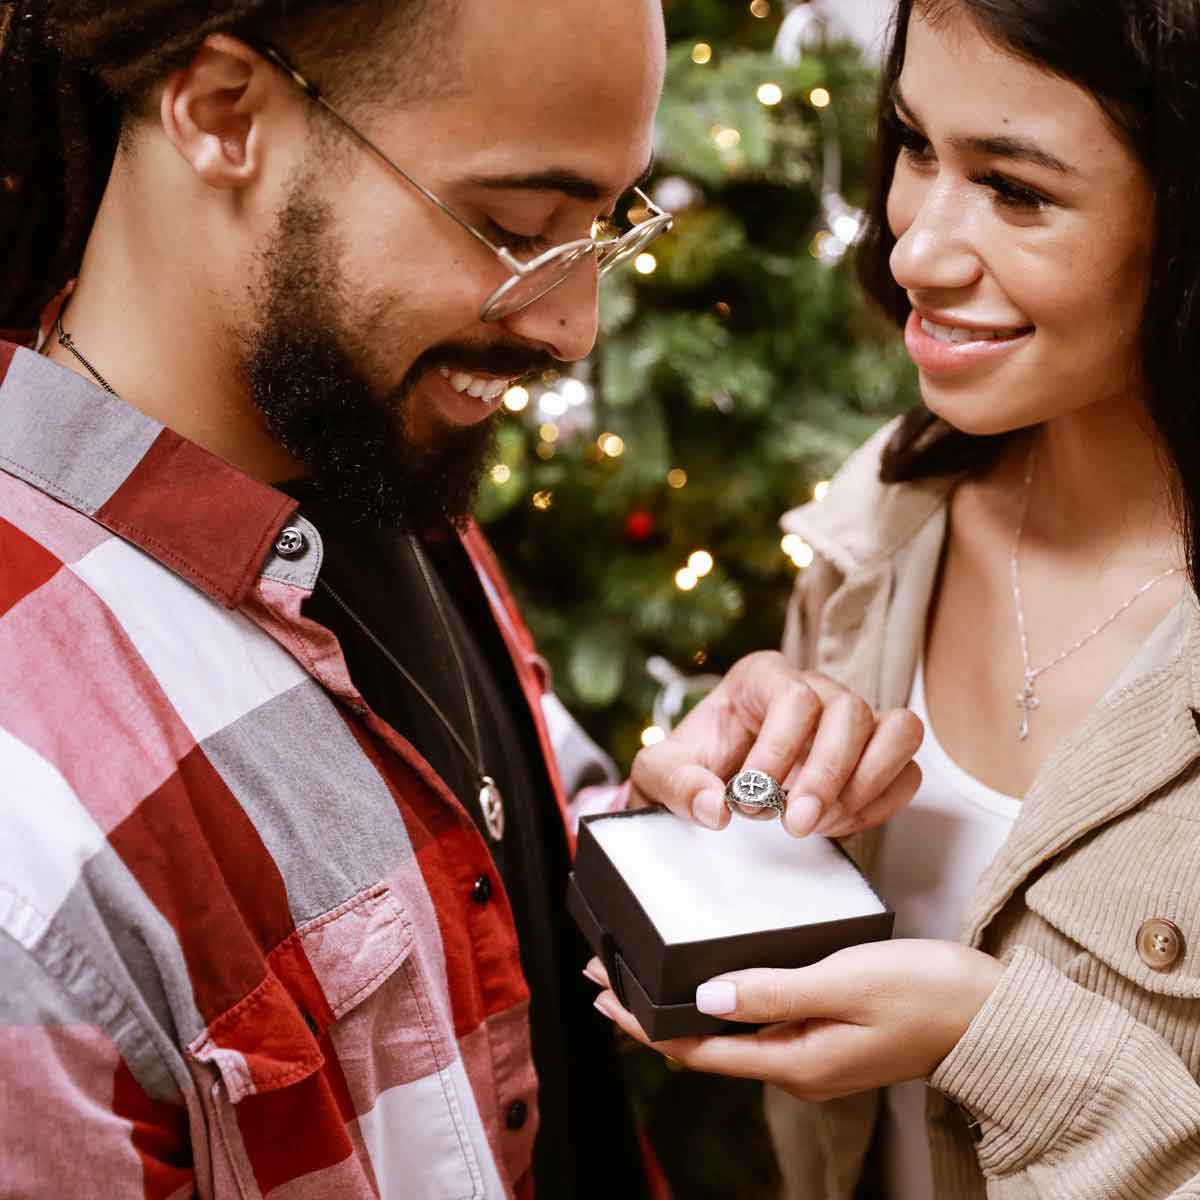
528,282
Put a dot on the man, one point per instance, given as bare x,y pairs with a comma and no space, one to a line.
284,838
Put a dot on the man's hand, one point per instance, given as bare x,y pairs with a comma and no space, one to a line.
844,767
862,1018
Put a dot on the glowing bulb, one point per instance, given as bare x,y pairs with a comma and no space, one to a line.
545,451
798,550
727,139
770,94
846,228
575,392
611,444
552,404
645,264
543,501
701,53
819,97
686,579
516,399
652,735
549,432
701,563
677,478
821,490
760,8
501,474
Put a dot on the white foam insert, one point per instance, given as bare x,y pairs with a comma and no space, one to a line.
697,883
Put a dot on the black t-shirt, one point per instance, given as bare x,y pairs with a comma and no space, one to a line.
585,1145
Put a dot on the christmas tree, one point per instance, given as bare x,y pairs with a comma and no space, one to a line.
635,502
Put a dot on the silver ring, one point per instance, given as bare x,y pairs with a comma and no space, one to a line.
756,795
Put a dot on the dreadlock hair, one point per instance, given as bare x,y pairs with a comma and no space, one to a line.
77,74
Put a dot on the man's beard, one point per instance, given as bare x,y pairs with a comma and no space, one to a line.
306,364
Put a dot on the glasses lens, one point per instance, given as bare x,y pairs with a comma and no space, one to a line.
631,244
540,278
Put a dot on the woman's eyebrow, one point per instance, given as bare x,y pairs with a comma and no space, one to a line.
997,146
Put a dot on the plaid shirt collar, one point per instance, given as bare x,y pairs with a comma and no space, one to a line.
185,507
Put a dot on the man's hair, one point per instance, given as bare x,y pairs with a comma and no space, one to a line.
75,76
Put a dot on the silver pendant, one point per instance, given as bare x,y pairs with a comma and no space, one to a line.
1028,702
492,804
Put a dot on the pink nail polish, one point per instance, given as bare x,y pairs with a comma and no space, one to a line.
716,998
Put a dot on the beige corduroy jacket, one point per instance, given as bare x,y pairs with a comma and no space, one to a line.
1081,1070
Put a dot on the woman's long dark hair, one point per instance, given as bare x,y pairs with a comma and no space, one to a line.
72,72
1140,59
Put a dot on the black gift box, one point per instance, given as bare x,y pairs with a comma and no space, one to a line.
656,975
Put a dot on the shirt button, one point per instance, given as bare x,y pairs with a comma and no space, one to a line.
517,1115
481,893
1160,943
291,543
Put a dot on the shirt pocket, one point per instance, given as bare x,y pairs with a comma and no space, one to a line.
338,1067
1126,900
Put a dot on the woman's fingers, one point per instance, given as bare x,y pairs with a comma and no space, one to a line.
896,738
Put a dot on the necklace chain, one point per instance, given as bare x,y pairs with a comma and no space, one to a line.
65,340
1027,700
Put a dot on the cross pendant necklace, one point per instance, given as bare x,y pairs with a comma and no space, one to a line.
1027,700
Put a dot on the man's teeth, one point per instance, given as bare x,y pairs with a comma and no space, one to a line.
473,385
956,336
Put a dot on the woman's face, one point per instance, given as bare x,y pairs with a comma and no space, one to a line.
1023,226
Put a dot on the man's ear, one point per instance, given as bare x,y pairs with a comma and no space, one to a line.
212,110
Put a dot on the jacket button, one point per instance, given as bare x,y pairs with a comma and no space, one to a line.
291,543
481,893
517,1115
1160,943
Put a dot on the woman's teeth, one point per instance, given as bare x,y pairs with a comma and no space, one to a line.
956,336
487,390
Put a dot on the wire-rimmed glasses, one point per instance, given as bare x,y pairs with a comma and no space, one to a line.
528,282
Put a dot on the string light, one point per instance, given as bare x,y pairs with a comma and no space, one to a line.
819,97
700,657
701,563
545,451
769,94
549,432
543,501
501,474
516,399
645,264
727,139
686,579
723,310
701,53
798,550
552,404
821,490
652,735
760,8
611,444
677,478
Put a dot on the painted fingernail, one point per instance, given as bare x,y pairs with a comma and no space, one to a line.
593,972
803,813
708,808
716,998
603,1005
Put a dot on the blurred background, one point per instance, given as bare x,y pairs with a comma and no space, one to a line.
635,501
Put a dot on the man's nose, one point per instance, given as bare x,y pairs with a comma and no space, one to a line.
564,322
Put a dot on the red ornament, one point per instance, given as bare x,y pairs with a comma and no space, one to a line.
639,525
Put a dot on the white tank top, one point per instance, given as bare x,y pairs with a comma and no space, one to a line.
930,860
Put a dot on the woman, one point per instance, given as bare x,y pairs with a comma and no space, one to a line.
1014,561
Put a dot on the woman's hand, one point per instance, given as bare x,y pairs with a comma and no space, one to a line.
862,1018
845,767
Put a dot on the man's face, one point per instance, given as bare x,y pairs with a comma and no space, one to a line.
367,353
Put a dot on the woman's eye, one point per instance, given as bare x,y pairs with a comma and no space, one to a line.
913,145
1011,194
